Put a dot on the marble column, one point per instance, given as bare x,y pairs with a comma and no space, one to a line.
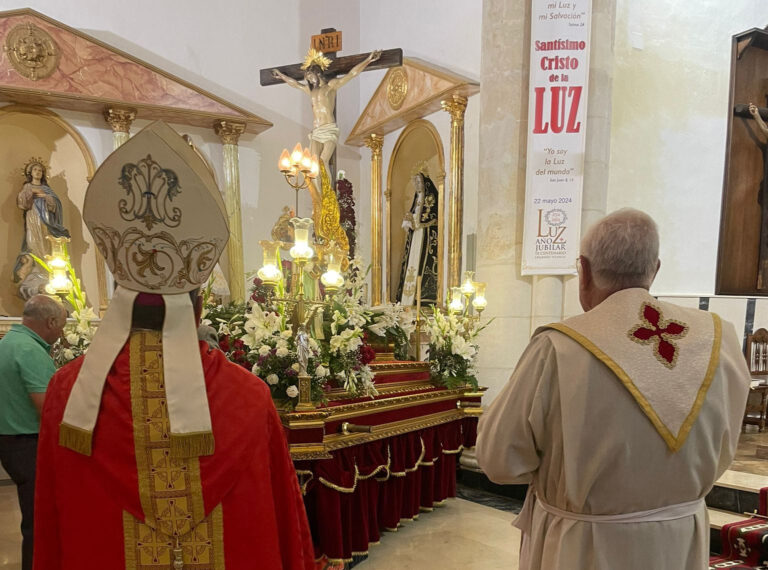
456,106
375,143
229,132
120,120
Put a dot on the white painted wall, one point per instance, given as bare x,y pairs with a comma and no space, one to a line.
670,110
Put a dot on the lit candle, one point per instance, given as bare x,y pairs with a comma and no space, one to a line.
296,155
284,164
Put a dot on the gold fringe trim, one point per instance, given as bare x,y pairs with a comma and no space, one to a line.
453,451
75,438
194,444
673,442
129,541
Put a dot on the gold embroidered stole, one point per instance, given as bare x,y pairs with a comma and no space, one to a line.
666,356
176,534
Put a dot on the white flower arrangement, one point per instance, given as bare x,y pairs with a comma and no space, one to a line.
452,350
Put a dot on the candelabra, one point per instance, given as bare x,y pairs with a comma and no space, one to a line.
298,167
460,302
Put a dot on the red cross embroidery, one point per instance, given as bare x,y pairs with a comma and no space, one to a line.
653,329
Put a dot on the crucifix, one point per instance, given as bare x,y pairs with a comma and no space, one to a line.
758,114
325,74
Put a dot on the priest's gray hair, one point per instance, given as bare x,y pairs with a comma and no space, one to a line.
622,249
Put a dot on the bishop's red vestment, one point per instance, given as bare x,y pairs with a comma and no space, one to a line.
131,505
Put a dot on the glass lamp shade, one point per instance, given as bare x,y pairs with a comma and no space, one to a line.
270,272
58,257
456,304
284,164
467,285
479,302
301,250
332,278
306,161
59,282
296,155
315,168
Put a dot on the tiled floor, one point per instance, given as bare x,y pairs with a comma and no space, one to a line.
462,534
745,459
459,535
10,536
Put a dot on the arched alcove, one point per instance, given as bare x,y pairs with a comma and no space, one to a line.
27,132
418,143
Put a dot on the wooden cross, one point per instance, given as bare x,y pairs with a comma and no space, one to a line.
321,86
339,66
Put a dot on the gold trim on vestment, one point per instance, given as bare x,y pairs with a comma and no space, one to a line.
75,438
170,489
673,442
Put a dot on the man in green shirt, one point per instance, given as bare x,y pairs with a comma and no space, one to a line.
26,368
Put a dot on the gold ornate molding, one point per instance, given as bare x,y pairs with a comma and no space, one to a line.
89,57
383,431
397,88
32,51
456,106
375,143
120,119
421,85
228,131
357,409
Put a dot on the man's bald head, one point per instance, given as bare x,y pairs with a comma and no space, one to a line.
45,316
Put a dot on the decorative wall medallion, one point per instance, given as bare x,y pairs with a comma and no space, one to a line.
32,51
397,88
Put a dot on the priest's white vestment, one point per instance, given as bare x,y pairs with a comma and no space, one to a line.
621,419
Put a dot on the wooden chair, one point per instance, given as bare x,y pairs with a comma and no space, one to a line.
757,361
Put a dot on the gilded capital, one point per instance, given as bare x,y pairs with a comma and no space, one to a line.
455,106
375,143
120,119
228,131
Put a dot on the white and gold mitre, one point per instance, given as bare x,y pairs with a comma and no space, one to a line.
156,214
158,219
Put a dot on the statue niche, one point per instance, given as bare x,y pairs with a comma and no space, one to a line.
43,217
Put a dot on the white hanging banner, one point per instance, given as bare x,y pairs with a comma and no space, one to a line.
557,113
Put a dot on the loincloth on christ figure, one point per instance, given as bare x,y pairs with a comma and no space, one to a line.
325,133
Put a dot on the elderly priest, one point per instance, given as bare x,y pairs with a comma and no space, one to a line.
621,419
155,451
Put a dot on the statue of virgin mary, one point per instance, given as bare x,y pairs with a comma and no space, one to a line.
43,217
420,255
